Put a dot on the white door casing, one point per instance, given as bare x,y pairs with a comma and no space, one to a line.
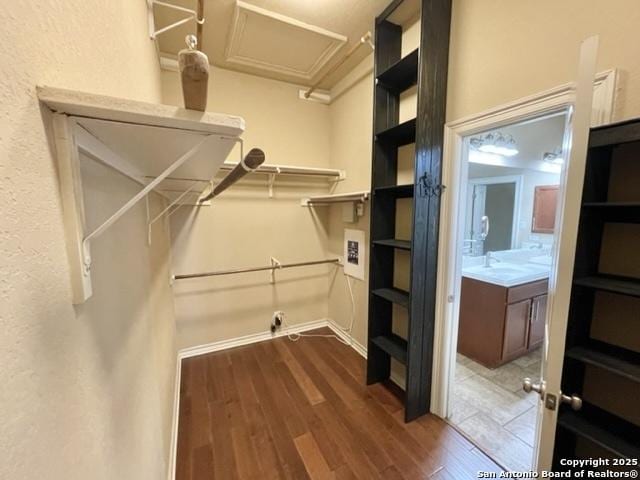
567,98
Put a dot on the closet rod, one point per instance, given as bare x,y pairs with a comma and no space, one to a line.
366,38
254,269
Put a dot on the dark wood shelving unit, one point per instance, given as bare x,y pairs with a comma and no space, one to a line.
617,362
398,135
600,434
394,243
402,75
426,68
394,295
393,345
394,191
599,365
623,286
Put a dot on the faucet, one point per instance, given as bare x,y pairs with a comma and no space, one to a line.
487,259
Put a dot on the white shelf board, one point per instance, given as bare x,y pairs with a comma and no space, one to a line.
359,197
144,142
83,104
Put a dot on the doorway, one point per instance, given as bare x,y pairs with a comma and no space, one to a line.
505,257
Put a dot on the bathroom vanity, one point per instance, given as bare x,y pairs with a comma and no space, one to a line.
502,312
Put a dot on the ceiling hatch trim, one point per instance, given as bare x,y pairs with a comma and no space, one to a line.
253,28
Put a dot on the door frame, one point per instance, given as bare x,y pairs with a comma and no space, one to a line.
517,197
549,102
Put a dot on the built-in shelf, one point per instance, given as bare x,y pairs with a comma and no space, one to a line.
615,134
292,170
401,75
610,361
397,191
169,150
351,197
398,135
602,435
623,286
392,344
395,295
394,243
626,212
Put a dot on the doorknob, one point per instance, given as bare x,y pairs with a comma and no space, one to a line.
528,386
574,401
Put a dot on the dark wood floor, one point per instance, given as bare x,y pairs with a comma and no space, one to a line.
298,410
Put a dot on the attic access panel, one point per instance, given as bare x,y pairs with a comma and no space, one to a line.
164,149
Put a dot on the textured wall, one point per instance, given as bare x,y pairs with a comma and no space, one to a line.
502,50
245,228
86,391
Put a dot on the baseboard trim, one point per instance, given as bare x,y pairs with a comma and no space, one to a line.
174,423
249,339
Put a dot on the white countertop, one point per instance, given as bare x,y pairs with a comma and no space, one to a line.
507,274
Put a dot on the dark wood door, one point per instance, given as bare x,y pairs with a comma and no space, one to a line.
538,318
516,330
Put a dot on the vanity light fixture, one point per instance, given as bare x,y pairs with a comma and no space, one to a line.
554,157
496,143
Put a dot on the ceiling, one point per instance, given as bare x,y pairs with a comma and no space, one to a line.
290,40
533,139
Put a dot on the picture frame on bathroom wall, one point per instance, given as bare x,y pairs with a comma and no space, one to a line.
354,253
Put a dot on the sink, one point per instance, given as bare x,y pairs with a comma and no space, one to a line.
541,260
507,274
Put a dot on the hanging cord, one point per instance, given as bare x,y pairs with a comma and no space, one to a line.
294,337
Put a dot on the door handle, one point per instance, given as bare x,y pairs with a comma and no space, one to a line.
550,400
574,401
528,386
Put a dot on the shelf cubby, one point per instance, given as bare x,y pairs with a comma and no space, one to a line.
397,135
394,243
401,75
393,345
394,295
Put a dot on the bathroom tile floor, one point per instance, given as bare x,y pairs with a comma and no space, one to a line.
490,407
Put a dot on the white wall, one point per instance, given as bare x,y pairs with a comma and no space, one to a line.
245,228
502,50
86,391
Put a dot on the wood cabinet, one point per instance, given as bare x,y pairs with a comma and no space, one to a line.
545,200
499,324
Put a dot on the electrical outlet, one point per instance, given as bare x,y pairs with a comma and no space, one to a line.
276,320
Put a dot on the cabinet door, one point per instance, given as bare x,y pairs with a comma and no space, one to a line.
545,200
516,330
538,317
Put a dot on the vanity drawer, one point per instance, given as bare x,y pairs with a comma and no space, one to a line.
528,290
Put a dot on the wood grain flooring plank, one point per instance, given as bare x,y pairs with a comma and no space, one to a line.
324,379
313,459
245,455
306,384
330,449
292,464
